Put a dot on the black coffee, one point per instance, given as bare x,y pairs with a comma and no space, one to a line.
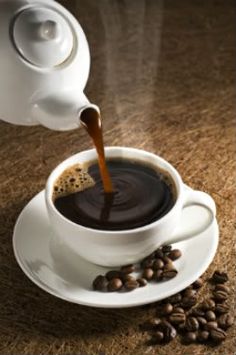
141,195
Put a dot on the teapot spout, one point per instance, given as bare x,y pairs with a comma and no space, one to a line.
60,111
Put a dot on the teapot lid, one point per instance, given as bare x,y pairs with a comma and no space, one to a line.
43,36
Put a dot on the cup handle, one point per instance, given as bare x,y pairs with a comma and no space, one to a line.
204,201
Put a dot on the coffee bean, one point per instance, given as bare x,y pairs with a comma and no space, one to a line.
177,317
131,285
203,336
112,274
168,330
175,254
159,253
220,295
175,298
221,287
158,336
182,327
147,273
100,283
221,308
168,261
158,264
166,248
225,321
219,277
127,277
178,309
157,275
127,269
202,321
164,309
147,263
151,324
190,337
189,292
142,282
208,305
114,285
197,312
192,324
211,325
169,274
218,335
188,302
210,316
198,283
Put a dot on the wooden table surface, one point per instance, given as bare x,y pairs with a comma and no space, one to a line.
163,74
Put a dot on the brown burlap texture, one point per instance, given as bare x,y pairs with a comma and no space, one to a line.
163,75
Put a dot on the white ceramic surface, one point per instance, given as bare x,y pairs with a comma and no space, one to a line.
44,48
58,271
113,248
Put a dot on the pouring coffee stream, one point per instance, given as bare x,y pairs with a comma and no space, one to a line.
91,121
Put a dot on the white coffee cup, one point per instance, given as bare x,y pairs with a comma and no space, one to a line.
115,248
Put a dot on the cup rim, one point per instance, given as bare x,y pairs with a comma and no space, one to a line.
70,161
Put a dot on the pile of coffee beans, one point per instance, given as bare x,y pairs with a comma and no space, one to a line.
156,267
182,314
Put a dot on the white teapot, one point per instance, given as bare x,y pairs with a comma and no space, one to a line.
44,65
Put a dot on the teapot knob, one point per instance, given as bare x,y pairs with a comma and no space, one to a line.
49,30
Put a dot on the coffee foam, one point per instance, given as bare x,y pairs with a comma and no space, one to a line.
74,179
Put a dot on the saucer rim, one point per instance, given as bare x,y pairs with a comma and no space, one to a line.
56,292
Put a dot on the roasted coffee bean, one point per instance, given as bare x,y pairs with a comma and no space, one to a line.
166,248
211,325
225,321
202,321
114,285
147,263
189,292
190,337
192,324
178,309
203,336
168,330
158,264
218,335
219,277
159,254
210,316
221,308
158,336
142,282
127,277
169,274
157,275
175,254
168,261
197,312
151,324
127,269
221,287
164,309
198,283
188,302
148,273
113,274
100,283
131,285
220,296
208,305
182,327
175,298
177,317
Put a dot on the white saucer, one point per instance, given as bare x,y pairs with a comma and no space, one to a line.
67,276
